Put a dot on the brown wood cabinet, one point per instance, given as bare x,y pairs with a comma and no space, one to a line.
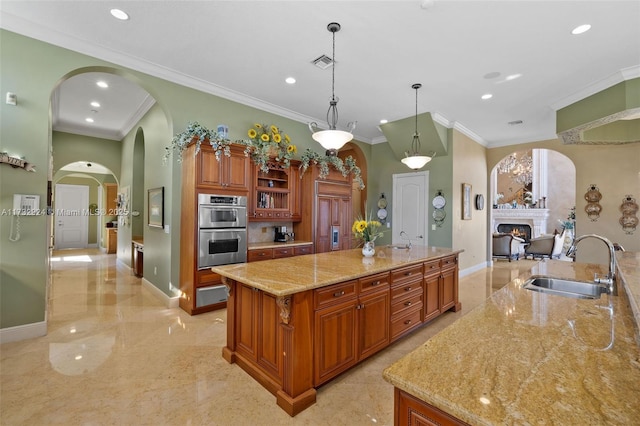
111,195
351,325
274,195
112,240
410,411
326,211
293,344
203,173
255,255
227,175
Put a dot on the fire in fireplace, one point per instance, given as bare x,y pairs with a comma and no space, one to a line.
517,229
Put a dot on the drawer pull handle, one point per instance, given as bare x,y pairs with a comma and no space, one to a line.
407,304
406,274
375,283
261,254
338,293
407,322
407,289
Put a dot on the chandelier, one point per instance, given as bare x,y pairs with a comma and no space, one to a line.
332,139
413,159
519,168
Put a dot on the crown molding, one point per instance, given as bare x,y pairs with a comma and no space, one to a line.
598,86
143,108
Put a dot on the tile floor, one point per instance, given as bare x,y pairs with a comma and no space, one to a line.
114,356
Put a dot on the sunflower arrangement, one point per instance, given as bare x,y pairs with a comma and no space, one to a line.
366,229
267,141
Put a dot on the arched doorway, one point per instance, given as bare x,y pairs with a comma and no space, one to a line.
99,212
533,190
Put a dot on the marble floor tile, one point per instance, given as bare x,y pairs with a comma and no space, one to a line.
114,355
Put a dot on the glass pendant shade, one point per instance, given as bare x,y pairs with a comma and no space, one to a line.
332,139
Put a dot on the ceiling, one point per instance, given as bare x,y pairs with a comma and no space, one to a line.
244,50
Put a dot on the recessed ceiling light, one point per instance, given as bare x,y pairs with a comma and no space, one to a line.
581,29
491,75
102,84
89,120
383,121
119,14
95,104
513,76
487,96
514,122
290,80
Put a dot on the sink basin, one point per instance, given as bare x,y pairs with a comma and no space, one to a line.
398,246
566,288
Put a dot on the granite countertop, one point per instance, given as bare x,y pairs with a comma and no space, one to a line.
272,244
290,275
525,357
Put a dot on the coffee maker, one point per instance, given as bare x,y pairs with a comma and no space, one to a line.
281,234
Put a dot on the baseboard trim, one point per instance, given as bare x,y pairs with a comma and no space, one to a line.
472,269
169,302
23,332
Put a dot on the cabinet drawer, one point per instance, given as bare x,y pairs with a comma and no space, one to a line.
300,250
410,273
207,278
431,268
259,254
449,262
402,291
282,252
414,301
336,293
405,322
373,283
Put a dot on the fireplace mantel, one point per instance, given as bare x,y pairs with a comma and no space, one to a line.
536,218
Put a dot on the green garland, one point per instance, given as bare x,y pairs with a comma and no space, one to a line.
323,161
259,152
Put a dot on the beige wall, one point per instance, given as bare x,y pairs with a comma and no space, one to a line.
469,166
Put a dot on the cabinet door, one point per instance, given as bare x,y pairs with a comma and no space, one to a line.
236,172
373,323
111,198
209,169
323,225
334,341
246,309
431,297
269,338
344,208
448,286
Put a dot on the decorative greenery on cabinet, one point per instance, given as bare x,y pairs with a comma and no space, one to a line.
265,143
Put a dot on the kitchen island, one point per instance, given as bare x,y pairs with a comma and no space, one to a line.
524,357
296,323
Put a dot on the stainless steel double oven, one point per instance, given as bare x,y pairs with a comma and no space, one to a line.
222,223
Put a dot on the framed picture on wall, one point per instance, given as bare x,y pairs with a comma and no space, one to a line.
155,209
466,201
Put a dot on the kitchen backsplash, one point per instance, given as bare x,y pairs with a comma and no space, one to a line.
254,231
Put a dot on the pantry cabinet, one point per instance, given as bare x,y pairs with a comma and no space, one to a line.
227,175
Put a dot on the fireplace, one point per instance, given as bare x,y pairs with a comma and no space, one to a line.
516,229
535,219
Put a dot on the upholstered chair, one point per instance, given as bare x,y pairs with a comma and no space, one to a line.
549,246
506,246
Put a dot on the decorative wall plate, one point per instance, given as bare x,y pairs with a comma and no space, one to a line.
382,214
629,220
439,202
438,216
479,202
382,202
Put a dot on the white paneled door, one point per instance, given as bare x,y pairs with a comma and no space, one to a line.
71,216
409,208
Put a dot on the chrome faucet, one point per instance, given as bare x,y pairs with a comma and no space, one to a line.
406,237
609,280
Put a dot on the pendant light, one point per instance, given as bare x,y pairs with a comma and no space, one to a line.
332,139
413,159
